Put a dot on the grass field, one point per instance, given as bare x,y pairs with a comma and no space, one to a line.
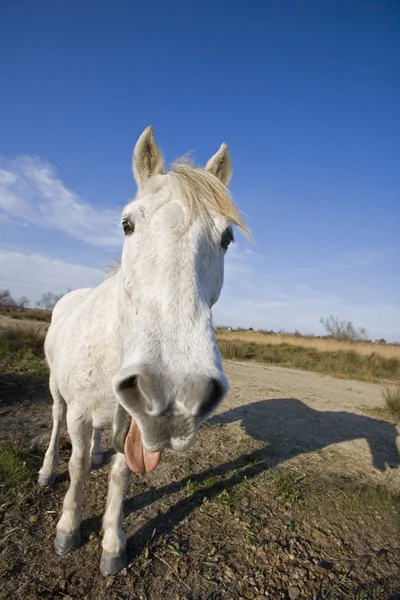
366,361
25,314
320,344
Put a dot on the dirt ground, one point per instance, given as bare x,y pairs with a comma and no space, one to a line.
292,491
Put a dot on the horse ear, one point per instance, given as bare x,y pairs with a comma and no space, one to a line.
147,158
220,165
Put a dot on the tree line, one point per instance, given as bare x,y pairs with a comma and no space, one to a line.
47,300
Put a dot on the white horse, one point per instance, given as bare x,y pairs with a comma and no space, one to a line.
139,351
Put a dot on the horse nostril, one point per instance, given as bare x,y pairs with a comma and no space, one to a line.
215,393
129,383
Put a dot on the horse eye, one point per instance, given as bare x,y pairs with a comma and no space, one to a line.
128,227
227,238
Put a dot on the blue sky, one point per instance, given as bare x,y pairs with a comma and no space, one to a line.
307,96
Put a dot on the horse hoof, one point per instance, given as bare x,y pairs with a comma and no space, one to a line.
44,480
109,565
67,542
96,460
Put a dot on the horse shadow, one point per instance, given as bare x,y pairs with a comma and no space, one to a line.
289,428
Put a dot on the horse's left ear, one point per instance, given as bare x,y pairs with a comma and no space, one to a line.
147,158
220,165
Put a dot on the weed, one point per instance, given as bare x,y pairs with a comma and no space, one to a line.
391,396
377,593
211,481
223,498
174,549
192,486
288,488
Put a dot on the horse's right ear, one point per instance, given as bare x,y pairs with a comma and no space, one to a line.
147,158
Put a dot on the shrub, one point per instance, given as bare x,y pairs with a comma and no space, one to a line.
231,350
342,330
391,396
48,300
27,339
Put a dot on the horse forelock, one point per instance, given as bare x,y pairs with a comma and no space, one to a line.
202,193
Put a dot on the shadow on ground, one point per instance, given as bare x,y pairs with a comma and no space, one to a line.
289,428
16,388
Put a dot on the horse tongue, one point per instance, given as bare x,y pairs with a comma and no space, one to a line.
138,458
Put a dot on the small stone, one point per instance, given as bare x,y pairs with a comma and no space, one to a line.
293,592
291,556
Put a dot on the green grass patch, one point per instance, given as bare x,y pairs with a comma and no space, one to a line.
18,469
344,363
359,499
288,487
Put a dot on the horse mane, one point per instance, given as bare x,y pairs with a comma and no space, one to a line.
112,269
203,193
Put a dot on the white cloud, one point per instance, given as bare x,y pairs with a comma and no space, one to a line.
32,274
31,192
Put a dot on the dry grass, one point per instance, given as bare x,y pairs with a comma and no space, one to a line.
26,338
25,314
7,322
320,344
391,396
21,352
343,362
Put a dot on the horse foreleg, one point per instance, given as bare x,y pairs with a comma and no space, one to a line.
68,534
47,473
96,450
114,557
